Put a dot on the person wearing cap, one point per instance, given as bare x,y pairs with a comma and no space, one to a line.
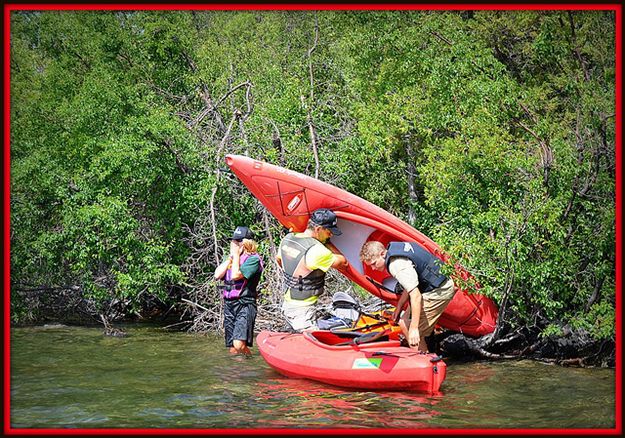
240,274
305,258
423,286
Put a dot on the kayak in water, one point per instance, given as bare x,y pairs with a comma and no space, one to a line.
370,361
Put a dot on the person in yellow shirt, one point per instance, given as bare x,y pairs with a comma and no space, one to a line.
305,258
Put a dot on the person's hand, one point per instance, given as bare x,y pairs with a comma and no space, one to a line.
414,337
396,314
236,248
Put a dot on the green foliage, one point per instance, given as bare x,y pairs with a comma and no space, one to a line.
599,321
491,131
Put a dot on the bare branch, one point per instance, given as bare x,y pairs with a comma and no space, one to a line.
232,90
195,304
576,49
216,186
311,126
442,38
546,152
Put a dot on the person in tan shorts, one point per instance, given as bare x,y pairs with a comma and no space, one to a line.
418,273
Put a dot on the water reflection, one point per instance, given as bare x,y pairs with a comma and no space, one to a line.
317,404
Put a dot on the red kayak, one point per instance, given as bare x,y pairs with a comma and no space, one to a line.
291,197
340,359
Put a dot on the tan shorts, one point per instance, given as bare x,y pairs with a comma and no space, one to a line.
434,304
300,317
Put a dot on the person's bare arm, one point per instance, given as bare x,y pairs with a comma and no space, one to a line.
221,269
235,254
414,337
340,262
401,302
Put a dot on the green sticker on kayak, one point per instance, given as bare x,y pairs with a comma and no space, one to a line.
363,362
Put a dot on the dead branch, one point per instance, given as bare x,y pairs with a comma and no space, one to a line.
546,152
411,172
441,37
276,139
183,167
311,126
195,304
578,54
231,91
216,186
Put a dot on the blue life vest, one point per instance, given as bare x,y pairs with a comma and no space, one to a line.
426,265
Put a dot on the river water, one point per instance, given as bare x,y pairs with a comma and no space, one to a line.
74,377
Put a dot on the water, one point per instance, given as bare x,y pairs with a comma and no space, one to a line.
74,377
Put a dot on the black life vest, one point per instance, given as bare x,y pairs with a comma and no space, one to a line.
301,282
426,265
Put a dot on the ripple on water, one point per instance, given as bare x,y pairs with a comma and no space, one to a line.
160,413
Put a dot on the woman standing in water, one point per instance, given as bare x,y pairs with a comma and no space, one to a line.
240,274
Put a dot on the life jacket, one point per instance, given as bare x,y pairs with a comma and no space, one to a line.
426,265
232,289
301,282
345,312
345,306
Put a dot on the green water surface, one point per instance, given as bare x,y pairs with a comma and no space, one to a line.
74,377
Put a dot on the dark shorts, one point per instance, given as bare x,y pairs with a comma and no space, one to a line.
239,319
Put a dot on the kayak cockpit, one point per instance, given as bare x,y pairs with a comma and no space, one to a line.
349,340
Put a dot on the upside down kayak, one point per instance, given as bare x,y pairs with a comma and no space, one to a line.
343,360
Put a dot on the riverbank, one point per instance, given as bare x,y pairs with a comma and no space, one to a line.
565,346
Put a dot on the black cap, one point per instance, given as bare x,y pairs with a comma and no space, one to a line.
242,233
327,219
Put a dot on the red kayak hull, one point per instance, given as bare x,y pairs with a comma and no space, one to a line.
291,197
381,365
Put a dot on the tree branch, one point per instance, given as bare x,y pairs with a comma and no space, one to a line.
576,49
311,125
546,152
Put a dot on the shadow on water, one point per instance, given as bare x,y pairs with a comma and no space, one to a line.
74,377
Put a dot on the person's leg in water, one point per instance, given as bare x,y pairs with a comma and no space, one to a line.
240,347
243,333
